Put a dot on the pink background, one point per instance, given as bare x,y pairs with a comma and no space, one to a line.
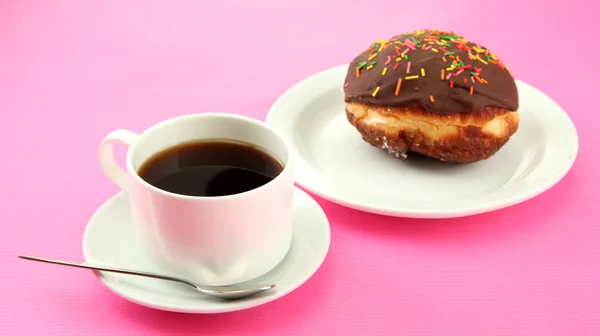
71,71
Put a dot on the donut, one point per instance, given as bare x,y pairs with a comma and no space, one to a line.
433,93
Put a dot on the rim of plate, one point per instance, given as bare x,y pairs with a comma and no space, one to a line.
331,195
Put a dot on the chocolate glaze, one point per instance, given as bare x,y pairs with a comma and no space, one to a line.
495,87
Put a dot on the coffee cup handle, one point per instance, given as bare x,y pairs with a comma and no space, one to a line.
107,159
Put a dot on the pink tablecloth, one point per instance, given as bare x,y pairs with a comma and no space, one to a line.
71,71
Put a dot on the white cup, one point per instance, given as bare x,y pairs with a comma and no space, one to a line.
212,240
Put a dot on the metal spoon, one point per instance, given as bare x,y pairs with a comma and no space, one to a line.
222,292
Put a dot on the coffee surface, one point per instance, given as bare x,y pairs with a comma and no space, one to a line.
210,168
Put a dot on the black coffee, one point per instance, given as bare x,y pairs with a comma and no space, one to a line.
210,168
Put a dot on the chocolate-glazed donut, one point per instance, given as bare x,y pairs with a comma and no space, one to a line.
433,93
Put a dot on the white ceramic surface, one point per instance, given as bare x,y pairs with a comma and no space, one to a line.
211,240
107,241
334,162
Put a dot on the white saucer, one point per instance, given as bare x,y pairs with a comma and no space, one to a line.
108,240
336,164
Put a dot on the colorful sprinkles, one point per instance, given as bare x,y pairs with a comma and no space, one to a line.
375,92
398,86
467,71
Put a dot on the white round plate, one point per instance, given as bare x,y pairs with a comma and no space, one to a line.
108,241
336,164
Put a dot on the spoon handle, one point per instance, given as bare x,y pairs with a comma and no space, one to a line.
112,269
